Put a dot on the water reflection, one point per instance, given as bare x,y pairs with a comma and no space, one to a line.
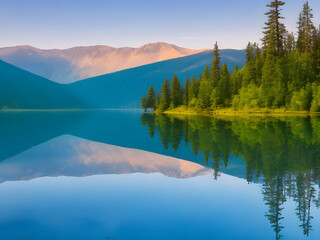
283,153
278,157
72,156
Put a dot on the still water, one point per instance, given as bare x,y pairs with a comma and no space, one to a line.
128,175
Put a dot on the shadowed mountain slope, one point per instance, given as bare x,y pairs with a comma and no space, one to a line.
24,90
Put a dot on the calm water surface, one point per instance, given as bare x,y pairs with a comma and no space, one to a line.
129,175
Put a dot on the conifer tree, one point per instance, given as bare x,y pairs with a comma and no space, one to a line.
274,26
157,103
223,88
165,96
186,93
192,89
215,68
150,101
235,81
143,103
176,92
205,90
270,73
305,29
197,86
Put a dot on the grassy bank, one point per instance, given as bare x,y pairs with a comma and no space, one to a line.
231,112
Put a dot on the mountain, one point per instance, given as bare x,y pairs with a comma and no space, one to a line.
24,90
68,65
124,89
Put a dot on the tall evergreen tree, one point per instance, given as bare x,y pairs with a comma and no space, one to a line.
157,103
274,26
270,74
165,96
150,101
186,93
205,90
215,68
192,89
223,89
143,103
176,92
235,81
305,29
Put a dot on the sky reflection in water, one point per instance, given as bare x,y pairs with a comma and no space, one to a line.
69,183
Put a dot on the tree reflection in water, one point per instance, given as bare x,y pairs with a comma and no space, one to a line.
281,152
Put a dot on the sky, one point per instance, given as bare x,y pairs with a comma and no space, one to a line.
193,24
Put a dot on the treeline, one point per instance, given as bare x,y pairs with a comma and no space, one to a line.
284,73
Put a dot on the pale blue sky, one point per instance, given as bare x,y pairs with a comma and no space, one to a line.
193,24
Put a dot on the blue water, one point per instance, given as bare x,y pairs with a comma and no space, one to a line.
107,175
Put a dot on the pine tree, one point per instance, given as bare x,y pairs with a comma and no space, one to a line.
290,43
270,73
157,103
274,26
235,81
222,93
143,103
205,90
150,101
305,29
165,96
186,93
197,88
215,68
176,92
192,89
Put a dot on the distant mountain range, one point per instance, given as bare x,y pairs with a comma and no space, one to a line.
122,89
69,65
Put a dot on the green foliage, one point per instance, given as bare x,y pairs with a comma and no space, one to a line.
143,103
222,91
249,97
205,89
165,96
157,103
150,101
315,105
301,100
186,93
176,92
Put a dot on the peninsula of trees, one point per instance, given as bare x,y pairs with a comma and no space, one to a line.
283,74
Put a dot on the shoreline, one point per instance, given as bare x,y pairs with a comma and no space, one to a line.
241,113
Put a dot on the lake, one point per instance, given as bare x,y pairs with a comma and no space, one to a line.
123,174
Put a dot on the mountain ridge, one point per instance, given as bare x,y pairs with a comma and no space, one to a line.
71,64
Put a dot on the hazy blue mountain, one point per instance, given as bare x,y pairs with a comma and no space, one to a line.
24,90
69,65
124,89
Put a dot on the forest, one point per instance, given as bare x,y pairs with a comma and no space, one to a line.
284,73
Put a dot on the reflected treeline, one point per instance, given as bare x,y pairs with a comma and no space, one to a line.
283,153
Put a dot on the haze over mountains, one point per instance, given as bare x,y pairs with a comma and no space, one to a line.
69,65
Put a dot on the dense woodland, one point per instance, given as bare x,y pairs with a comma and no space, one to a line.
284,73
